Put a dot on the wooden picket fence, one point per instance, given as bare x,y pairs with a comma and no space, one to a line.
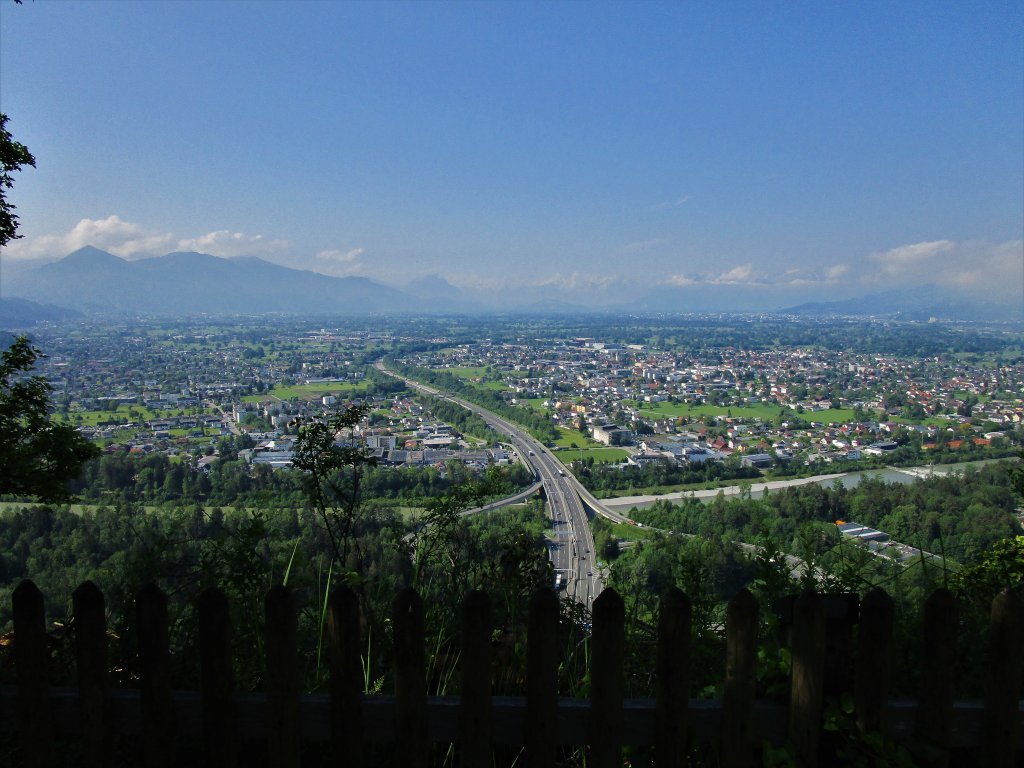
823,646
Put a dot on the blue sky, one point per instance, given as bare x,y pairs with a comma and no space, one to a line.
807,149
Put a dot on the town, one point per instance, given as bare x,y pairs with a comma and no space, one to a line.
625,394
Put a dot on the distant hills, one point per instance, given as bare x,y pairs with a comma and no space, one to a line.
91,280
922,304
22,313
184,283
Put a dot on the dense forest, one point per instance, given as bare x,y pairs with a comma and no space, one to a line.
157,479
600,479
960,515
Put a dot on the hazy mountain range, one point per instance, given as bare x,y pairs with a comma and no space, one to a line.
94,281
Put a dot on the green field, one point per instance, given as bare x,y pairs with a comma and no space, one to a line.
534,403
762,411
571,438
314,391
600,455
134,413
467,372
627,532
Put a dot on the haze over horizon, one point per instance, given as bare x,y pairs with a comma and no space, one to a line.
593,151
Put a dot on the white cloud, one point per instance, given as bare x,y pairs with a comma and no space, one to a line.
130,240
341,263
911,257
341,256
680,281
983,269
739,274
113,234
226,244
834,273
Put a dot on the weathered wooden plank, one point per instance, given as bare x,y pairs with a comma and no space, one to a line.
410,680
572,718
90,623
740,691
841,610
807,680
1006,665
346,710
672,679
220,731
874,648
542,680
938,684
606,679
31,656
281,682
158,725
476,727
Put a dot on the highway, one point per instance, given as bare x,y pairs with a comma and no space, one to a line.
572,551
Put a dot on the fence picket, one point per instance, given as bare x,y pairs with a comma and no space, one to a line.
871,689
158,732
606,679
346,678
740,691
410,680
1002,707
30,657
807,680
90,624
220,727
938,658
672,696
542,680
281,683
475,721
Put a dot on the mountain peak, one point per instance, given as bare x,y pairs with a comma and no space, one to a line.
90,255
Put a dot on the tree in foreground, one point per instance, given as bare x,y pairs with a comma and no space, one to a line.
13,155
38,455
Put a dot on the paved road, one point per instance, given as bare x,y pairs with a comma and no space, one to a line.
572,551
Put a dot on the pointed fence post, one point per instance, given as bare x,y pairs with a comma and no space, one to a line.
346,678
672,679
410,680
475,718
220,725
740,680
281,684
606,680
807,682
874,647
938,672
31,656
158,730
542,680
1006,665
90,623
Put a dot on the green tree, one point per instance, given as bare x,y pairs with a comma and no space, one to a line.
13,155
38,456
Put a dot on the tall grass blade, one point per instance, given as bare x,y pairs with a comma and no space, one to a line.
323,618
288,570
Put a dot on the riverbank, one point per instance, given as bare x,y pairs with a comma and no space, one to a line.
849,479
